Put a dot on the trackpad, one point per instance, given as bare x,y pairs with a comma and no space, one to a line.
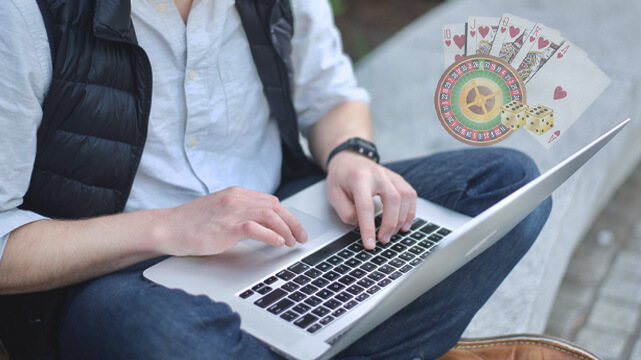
314,226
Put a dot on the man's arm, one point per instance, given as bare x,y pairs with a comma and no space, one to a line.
46,254
353,179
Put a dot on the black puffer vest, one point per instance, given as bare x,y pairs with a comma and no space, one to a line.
94,128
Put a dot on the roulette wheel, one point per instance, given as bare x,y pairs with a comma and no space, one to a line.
469,97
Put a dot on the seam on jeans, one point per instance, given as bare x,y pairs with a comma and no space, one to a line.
525,342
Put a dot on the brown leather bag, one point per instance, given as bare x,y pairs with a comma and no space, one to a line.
517,347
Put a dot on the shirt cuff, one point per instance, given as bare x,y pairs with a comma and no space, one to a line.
11,220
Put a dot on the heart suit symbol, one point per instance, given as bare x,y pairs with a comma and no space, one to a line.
459,40
484,30
514,31
448,42
559,93
543,43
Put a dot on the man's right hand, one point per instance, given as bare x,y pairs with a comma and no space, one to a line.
214,223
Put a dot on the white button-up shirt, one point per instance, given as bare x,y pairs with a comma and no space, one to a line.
209,126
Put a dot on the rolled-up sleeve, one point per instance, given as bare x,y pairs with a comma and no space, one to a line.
25,71
323,74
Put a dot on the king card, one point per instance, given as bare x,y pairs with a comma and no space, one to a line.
568,84
453,43
512,33
541,44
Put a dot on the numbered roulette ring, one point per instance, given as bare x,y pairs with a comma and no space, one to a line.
469,97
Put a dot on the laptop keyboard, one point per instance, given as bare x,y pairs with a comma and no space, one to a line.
313,292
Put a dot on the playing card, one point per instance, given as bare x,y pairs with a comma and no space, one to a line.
512,33
453,43
568,84
487,28
541,43
471,35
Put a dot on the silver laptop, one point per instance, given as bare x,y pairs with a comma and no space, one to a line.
313,300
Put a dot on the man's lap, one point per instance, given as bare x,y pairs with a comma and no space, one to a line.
124,315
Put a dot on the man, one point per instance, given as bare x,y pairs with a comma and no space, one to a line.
211,160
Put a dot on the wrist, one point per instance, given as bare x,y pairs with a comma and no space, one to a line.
355,145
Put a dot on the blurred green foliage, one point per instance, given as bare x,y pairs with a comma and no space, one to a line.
338,6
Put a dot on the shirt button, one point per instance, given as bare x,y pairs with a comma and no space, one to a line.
161,7
193,142
192,74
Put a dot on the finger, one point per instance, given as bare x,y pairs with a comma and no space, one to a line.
343,205
408,204
391,199
365,213
253,230
295,227
267,217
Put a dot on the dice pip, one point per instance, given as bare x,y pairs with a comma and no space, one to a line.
539,119
513,115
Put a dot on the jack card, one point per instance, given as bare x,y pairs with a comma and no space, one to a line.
481,32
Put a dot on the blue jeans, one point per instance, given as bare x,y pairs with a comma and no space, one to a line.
124,316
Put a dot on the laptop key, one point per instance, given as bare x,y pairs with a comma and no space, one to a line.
435,237
396,262
429,228
368,266
386,269
343,269
416,262
332,304
353,262
270,280
314,328
264,290
418,235
399,247
305,321
320,282
289,315
378,260
313,273
257,286
297,296
336,287
357,273
444,231
280,306
406,268
290,286
302,279
395,275
406,256
417,250
309,289
355,289
286,275
343,297
325,294
345,254
331,275
320,311
363,256
313,301
389,254
270,298
408,242
418,223
350,304
246,294
324,266
365,283
326,320
347,279
384,282
356,247
376,276
374,289
339,312
301,308
298,268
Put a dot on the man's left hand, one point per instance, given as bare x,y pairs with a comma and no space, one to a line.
353,180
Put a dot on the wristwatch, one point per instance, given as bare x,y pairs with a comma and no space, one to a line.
358,145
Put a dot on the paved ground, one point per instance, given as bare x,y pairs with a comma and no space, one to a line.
599,302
